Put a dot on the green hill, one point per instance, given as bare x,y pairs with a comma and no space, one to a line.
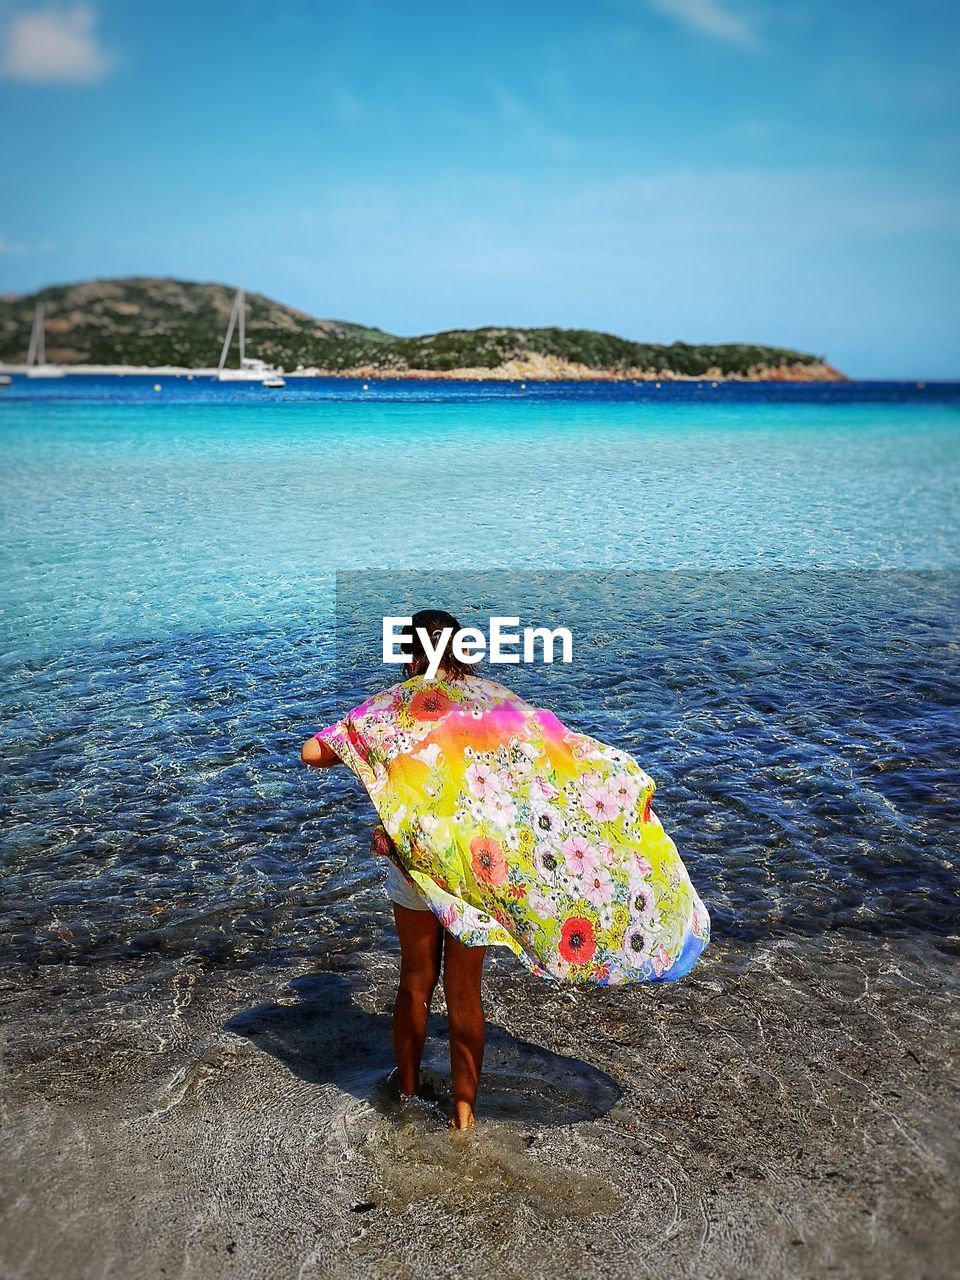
156,321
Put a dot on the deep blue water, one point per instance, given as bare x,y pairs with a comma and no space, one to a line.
136,387
764,583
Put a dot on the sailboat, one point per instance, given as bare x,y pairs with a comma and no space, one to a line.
250,370
37,366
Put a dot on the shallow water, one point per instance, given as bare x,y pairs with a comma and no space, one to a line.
141,520
781,658
170,626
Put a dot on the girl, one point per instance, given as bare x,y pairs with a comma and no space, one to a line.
505,828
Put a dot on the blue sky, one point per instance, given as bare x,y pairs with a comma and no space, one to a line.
711,170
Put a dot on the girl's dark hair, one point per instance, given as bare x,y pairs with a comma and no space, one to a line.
433,621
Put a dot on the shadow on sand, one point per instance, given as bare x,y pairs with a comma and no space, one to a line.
324,1038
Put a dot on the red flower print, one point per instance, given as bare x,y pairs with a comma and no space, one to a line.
645,815
577,943
488,861
429,704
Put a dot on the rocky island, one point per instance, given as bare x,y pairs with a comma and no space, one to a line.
153,322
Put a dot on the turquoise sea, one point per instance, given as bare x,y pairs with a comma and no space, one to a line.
779,648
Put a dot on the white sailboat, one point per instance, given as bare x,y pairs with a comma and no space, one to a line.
37,366
250,370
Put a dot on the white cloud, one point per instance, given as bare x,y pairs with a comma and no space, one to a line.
16,247
710,18
54,46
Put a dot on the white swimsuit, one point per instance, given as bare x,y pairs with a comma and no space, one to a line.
401,892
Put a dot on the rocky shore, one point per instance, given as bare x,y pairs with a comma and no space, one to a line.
537,368
534,369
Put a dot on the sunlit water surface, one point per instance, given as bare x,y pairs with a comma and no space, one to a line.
168,582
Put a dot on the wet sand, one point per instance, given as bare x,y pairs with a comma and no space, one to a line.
791,1109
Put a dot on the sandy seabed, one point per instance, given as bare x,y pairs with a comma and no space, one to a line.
789,1110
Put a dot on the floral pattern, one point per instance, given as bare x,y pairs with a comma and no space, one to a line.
522,833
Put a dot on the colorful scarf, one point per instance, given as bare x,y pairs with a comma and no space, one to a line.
520,833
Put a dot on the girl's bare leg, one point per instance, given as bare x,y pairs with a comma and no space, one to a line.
462,970
421,948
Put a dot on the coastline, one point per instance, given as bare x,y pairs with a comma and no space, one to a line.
548,369
539,370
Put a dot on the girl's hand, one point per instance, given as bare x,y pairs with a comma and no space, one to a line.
318,755
380,843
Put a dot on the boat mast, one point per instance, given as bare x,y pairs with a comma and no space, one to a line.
37,352
242,309
235,310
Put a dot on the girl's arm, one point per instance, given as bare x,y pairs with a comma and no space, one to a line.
380,843
318,755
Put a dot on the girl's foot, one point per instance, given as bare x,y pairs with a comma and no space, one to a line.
404,1099
462,1116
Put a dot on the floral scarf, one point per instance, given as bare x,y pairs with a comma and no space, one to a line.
519,832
